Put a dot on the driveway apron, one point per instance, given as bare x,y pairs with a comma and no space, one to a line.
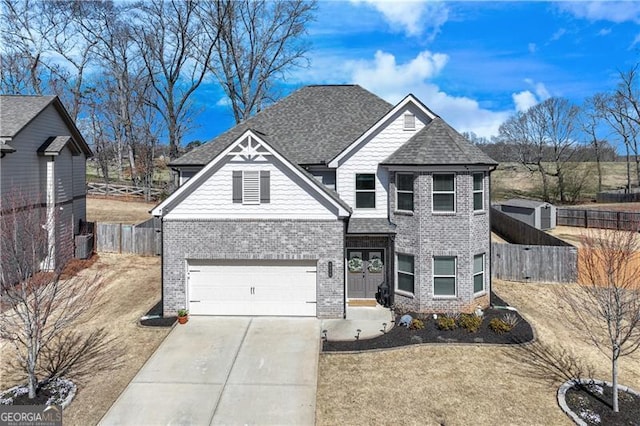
226,371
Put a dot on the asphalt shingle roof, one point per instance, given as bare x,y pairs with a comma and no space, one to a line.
310,126
16,111
522,202
438,143
54,145
370,226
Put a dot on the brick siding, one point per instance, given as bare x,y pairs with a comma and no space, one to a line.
254,239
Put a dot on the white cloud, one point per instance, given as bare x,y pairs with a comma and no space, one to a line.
393,81
558,34
414,17
613,11
604,31
532,47
635,41
526,99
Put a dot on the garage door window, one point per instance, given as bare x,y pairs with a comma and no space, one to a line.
251,187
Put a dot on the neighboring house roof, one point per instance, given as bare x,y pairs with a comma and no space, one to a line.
370,226
438,143
521,202
193,183
310,126
54,145
6,148
17,111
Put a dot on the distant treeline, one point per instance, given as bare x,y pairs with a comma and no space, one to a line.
504,152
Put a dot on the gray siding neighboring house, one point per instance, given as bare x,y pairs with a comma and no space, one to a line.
44,164
361,194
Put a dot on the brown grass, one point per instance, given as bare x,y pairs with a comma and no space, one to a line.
458,385
131,287
115,210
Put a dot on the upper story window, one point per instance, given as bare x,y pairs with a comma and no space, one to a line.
404,191
478,191
365,191
251,186
409,121
444,193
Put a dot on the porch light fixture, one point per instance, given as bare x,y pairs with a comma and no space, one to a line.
330,271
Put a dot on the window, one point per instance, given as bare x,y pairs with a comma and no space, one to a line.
409,121
251,186
405,273
444,193
404,191
444,276
478,273
365,191
478,191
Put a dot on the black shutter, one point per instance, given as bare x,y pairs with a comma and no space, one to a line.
265,192
237,186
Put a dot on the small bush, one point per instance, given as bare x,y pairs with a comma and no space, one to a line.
499,326
511,319
470,322
445,323
416,324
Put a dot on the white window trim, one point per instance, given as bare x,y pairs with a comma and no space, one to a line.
477,191
405,123
398,290
484,267
404,191
250,202
356,190
434,276
433,192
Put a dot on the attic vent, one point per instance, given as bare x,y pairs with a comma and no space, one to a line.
251,187
409,121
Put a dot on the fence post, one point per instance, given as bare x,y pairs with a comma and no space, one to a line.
586,218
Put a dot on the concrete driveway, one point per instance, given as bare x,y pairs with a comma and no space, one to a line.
226,370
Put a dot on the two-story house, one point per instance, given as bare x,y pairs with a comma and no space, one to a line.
316,201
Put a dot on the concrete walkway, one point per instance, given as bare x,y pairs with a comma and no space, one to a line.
365,322
226,370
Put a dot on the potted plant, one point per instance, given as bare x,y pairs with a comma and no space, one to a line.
183,316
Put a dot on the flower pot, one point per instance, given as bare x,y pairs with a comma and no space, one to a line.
183,320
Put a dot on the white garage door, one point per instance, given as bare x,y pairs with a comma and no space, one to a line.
270,287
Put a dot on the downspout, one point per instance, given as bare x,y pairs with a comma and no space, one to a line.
490,243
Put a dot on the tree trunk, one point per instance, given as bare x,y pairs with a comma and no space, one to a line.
545,183
628,171
614,380
560,182
599,168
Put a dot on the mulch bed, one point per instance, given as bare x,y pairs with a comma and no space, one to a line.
593,405
402,336
158,322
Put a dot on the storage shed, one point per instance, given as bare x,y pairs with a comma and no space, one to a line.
538,214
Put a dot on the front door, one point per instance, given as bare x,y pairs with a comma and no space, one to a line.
365,272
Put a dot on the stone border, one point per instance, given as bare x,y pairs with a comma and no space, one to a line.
72,392
562,391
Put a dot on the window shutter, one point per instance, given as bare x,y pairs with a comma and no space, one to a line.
265,193
237,186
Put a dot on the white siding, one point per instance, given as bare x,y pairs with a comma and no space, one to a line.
288,200
366,159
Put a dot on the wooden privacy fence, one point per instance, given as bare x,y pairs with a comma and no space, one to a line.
619,196
532,255
96,188
142,239
519,262
628,221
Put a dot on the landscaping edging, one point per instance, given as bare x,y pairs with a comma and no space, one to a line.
562,392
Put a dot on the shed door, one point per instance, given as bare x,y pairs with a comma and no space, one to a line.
269,287
545,217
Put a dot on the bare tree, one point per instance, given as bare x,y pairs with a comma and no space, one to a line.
545,133
175,49
628,93
590,122
257,42
606,304
37,305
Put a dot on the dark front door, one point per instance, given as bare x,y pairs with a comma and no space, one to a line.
365,271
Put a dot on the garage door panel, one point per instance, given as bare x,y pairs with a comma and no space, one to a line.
252,287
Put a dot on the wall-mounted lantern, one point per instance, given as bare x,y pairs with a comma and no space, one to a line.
330,271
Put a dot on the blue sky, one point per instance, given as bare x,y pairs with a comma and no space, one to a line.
473,63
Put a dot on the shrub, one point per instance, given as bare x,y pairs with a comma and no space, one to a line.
511,319
499,326
416,324
445,323
470,322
